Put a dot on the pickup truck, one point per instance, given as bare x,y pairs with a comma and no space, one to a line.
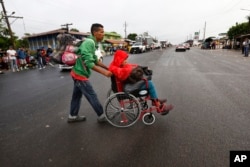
138,47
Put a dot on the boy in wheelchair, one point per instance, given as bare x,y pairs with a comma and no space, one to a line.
133,75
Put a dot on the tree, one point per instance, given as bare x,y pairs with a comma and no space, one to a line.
5,41
248,18
132,36
238,29
74,30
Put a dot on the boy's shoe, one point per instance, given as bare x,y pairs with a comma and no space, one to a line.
158,102
162,100
76,118
102,118
166,109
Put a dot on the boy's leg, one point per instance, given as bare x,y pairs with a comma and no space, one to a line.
89,93
75,105
75,100
151,89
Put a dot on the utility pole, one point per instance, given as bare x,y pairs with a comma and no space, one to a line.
67,26
8,24
125,30
204,32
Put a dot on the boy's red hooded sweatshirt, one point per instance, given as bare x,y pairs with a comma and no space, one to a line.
120,71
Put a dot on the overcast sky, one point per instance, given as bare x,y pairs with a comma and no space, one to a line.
172,20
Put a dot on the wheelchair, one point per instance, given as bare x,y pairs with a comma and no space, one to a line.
124,108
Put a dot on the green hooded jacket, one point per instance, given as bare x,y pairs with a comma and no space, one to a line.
87,58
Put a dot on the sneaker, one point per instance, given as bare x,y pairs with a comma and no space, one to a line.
76,118
158,102
162,100
102,118
166,109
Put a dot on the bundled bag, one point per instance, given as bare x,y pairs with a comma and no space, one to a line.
64,53
71,48
69,58
137,78
139,73
147,71
135,75
56,57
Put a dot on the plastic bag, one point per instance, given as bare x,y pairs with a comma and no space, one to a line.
69,58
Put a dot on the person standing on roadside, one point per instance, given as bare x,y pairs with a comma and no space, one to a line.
22,58
39,59
11,53
246,47
81,72
243,47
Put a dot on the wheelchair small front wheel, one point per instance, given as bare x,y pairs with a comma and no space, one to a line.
148,119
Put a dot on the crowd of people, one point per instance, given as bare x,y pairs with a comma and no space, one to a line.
21,59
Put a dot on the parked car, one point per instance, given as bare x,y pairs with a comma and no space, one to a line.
180,48
99,53
138,47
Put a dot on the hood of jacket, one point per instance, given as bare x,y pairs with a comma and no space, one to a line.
119,57
120,71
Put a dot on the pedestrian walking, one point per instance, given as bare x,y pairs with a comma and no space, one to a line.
81,72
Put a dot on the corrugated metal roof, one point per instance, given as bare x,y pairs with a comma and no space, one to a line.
57,31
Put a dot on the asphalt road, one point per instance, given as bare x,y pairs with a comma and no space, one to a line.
209,88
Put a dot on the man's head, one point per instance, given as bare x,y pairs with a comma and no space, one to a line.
97,31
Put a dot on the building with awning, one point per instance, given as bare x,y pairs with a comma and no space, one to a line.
48,38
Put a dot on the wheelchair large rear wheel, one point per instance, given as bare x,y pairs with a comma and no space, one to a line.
122,109
110,92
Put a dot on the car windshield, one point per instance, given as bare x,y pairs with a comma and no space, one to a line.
136,44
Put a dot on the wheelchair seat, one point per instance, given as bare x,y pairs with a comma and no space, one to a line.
134,89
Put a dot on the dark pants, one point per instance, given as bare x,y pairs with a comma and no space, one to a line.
243,49
84,88
246,51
